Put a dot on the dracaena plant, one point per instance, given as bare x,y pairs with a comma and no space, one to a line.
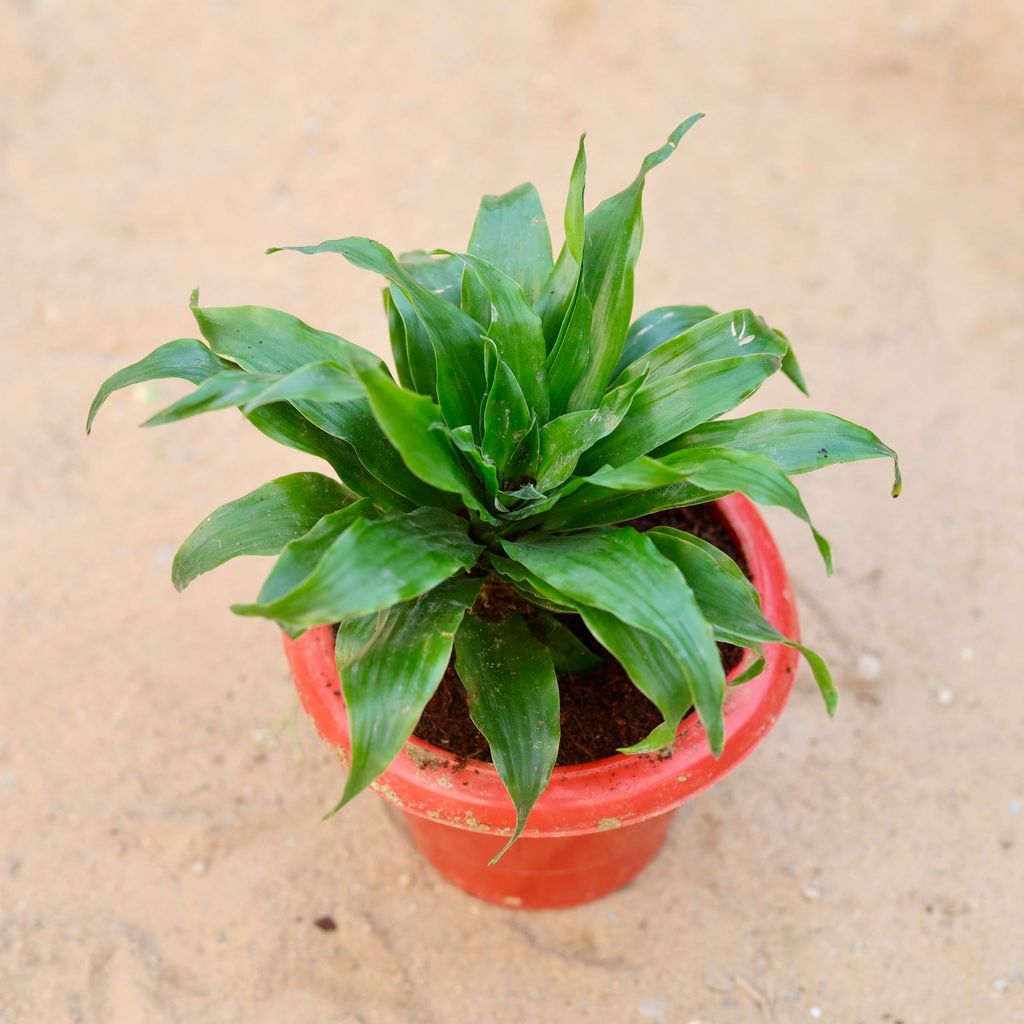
527,419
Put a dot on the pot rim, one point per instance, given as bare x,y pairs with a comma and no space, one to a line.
623,789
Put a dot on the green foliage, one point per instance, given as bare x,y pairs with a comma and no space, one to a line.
531,417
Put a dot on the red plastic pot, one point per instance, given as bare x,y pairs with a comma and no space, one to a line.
596,825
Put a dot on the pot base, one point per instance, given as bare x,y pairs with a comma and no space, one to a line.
538,873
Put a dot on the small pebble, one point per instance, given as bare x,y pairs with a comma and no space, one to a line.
718,980
653,1010
868,667
815,1012
1015,807
1000,984
404,880
200,867
910,29
967,654
811,892
945,696
326,923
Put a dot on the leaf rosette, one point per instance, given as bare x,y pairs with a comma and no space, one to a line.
528,420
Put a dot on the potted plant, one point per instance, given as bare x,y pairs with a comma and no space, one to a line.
538,529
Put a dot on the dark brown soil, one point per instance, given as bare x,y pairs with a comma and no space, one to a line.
601,709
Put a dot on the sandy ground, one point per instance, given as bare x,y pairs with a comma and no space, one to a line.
858,181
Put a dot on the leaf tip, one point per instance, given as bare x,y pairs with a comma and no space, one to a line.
193,299
508,846
897,483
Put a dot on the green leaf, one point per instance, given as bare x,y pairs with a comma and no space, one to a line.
590,505
289,427
664,409
614,235
790,367
740,333
652,667
513,326
301,556
264,340
526,457
665,323
259,523
486,471
399,342
373,565
640,474
416,428
440,276
559,290
621,571
319,382
511,233
564,439
189,359
798,440
657,326
390,663
513,699
454,335
565,308
224,390
568,357
568,652
410,341
507,418
756,476
729,602
183,359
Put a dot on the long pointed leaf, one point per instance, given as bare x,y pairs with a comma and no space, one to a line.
454,335
390,664
739,333
565,308
318,382
555,299
756,476
183,359
373,565
265,340
513,326
224,390
661,325
258,523
299,557
513,699
416,428
614,235
511,233
657,326
621,571
729,602
651,666
798,440
507,418
666,408
564,439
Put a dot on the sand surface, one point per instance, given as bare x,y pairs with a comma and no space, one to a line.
858,181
